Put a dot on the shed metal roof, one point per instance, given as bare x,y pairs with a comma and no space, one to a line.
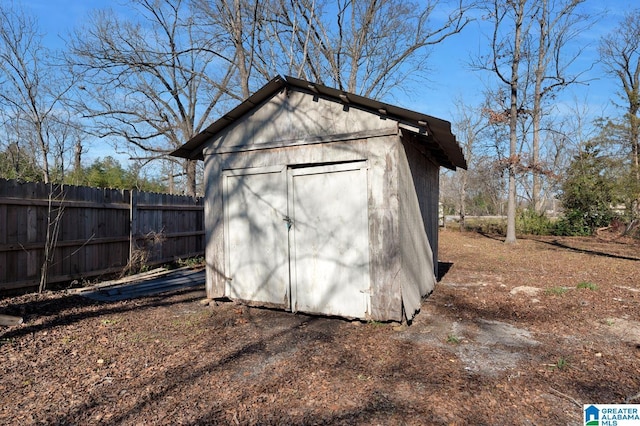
433,132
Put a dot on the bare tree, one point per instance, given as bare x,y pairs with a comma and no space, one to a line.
510,26
620,54
151,81
33,88
485,188
364,47
468,126
238,27
557,24
527,44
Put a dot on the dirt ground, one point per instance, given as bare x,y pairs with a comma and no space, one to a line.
517,335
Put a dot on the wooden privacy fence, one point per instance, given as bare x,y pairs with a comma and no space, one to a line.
80,232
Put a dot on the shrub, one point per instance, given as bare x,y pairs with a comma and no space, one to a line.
588,192
487,226
571,224
577,222
528,222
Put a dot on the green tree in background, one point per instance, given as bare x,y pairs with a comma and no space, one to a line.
102,173
19,165
620,54
587,193
106,173
621,169
109,173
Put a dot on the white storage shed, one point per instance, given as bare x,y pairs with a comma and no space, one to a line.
322,201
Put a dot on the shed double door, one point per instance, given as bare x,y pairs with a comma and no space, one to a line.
299,238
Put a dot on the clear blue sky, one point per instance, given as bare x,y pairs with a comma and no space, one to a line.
451,75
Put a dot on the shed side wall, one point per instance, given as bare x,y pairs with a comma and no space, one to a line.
415,179
425,172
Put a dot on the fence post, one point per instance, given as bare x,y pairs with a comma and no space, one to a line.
133,223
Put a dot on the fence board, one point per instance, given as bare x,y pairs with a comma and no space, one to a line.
98,230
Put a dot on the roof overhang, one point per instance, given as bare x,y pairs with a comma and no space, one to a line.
430,130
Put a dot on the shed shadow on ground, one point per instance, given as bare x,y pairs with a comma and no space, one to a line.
443,268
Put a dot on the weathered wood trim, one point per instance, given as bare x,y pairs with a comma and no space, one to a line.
253,170
312,140
384,239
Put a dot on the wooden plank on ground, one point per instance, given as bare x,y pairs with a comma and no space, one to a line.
175,280
10,320
158,272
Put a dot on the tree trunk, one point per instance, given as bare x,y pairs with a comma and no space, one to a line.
537,116
463,197
77,158
190,170
634,121
513,125
235,16
45,153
